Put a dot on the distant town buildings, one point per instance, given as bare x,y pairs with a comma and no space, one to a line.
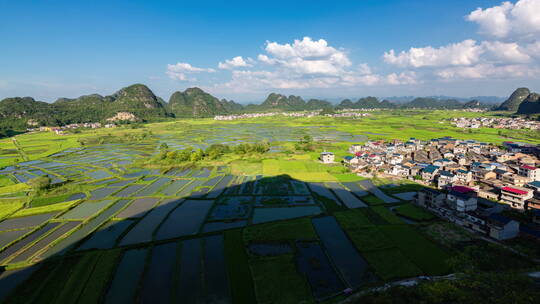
341,113
496,123
61,130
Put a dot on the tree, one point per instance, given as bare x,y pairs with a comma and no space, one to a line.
40,183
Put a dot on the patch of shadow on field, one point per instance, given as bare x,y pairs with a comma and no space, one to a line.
165,218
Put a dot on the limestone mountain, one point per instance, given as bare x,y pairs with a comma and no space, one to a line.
365,103
317,104
531,104
276,101
19,110
513,102
194,102
137,99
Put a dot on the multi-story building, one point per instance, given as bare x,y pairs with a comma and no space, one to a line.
532,173
516,197
462,199
428,197
327,157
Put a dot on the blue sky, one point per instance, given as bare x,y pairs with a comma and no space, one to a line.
52,49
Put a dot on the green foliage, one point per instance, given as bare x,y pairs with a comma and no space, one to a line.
496,288
40,183
484,256
305,144
213,152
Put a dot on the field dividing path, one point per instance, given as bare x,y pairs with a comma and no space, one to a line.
369,186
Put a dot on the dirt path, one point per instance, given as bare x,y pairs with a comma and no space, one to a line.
19,149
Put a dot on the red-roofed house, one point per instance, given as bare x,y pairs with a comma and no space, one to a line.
462,198
516,196
532,173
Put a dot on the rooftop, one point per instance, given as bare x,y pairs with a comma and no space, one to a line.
514,190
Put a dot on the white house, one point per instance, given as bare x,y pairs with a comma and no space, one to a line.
327,157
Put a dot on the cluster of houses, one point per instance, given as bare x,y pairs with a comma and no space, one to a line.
462,206
340,113
61,130
269,114
509,174
471,182
496,123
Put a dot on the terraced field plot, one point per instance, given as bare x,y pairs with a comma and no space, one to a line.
137,227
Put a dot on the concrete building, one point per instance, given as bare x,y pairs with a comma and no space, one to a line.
531,173
502,227
327,157
516,197
462,199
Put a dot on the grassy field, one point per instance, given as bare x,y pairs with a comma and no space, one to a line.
7,209
383,255
426,255
414,212
45,209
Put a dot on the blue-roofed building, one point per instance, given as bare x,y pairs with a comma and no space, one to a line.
429,172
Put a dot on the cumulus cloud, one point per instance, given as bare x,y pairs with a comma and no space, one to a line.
507,19
180,70
236,62
488,70
466,52
504,52
494,20
407,77
306,56
511,51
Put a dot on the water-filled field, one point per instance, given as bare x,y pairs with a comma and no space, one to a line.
215,233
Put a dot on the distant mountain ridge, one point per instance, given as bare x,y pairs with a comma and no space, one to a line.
18,113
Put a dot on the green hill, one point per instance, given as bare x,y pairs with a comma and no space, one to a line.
531,104
195,102
513,102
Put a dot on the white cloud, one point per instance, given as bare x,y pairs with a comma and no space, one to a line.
236,62
180,70
306,56
507,19
308,64
408,77
493,21
364,69
488,70
466,52
512,51
504,52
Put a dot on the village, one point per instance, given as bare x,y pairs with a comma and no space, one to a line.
495,123
61,129
341,113
467,182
